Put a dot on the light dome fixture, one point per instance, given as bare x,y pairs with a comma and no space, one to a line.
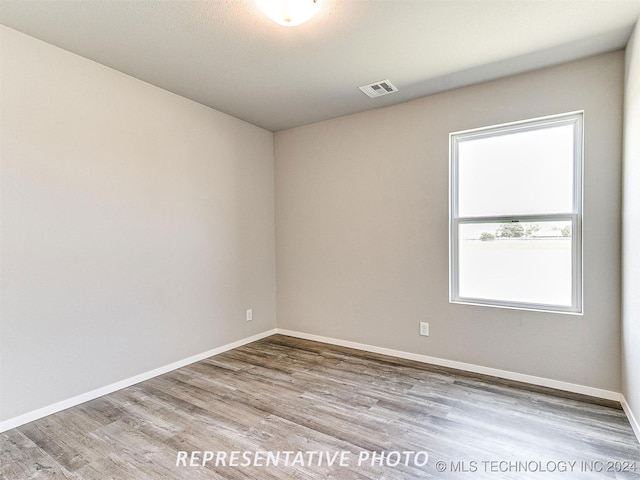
289,13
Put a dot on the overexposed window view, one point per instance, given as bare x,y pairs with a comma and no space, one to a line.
530,262
516,215
528,172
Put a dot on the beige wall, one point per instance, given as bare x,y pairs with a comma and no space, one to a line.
137,226
362,219
631,229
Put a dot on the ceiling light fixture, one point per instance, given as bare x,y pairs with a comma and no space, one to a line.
289,13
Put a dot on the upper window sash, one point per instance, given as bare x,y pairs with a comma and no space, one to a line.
573,120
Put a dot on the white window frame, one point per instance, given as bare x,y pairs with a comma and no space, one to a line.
575,216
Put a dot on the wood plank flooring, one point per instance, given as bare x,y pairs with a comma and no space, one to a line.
282,394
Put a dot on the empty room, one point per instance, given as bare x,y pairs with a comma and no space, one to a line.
313,239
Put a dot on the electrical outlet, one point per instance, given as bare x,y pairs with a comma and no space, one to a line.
249,315
424,329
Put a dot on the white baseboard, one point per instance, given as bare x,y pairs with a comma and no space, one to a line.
469,367
544,382
632,419
93,394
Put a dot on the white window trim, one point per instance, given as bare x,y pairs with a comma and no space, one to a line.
575,216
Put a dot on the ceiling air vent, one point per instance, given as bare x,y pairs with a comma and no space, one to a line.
377,89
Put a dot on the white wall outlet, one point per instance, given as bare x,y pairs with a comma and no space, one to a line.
424,329
249,315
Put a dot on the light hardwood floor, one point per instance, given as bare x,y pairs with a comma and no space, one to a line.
284,394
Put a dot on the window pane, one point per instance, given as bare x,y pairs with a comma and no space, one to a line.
517,173
516,262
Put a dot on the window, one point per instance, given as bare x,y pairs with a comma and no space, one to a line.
516,215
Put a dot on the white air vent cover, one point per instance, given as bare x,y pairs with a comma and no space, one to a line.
377,89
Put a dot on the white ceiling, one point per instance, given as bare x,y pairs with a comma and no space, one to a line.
227,55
